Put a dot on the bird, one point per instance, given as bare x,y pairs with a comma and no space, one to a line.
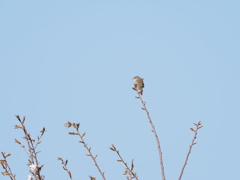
138,84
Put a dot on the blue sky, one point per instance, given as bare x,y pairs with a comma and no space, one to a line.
74,60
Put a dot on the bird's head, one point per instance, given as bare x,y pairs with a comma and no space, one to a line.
136,77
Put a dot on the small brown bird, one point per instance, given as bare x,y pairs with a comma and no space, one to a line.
138,84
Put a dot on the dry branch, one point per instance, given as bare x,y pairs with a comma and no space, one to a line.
6,167
198,126
65,167
34,166
76,126
155,134
128,170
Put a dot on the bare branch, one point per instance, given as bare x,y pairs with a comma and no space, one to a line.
198,126
32,145
128,170
6,167
155,134
65,167
76,126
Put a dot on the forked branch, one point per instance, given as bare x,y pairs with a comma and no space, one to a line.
32,149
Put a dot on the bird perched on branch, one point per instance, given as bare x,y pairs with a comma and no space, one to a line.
138,84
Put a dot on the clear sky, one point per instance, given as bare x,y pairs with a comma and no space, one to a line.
75,60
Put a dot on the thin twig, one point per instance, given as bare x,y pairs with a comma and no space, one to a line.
6,167
65,167
76,126
155,134
39,137
22,146
34,163
129,171
198,126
